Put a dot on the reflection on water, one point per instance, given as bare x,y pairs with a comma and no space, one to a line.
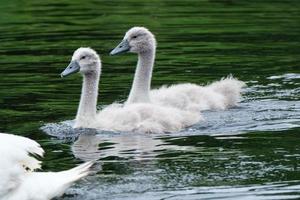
249,152
96,146
127,146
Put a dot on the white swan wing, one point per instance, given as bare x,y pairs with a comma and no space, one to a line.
18,181
15,159
47,185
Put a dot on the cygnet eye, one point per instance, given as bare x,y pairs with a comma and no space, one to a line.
135,36
83,57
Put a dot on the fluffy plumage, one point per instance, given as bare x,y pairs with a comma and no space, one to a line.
145,117
140,117
219,95
18,179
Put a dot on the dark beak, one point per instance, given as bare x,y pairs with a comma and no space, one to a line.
121,48
72,68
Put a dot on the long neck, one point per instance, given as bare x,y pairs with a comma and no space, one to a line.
87,107
140,90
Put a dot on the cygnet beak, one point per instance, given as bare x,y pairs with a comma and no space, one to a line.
121,48
72,68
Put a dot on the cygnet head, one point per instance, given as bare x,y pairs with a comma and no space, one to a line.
84,60
137,40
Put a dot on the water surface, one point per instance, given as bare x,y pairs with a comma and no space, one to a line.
249,152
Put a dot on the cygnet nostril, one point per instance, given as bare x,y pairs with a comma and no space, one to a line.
120,46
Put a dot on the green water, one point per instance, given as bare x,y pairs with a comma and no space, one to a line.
252,151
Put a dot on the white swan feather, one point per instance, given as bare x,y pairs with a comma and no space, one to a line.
145,118
18,179
219,95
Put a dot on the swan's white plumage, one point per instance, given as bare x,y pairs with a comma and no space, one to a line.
145,117
219,95
139,117
18,181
